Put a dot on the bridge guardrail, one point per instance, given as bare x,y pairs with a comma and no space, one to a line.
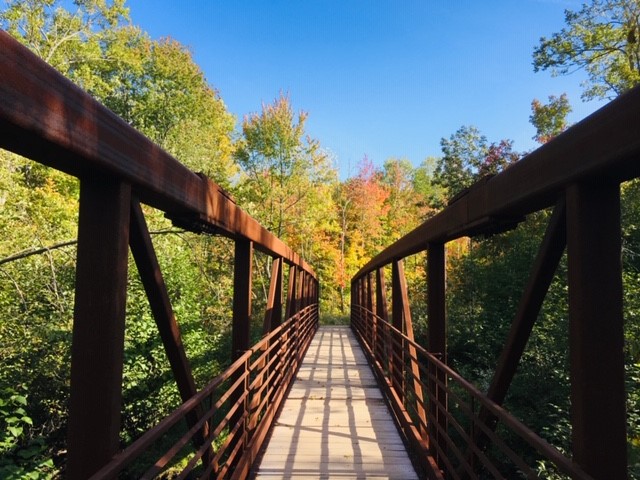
578,173
45,117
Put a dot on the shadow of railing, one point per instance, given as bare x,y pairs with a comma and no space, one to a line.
335,422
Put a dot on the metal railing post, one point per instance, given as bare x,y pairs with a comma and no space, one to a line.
596,336
437,344
97,351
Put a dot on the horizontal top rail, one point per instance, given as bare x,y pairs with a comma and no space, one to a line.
47,118
604,146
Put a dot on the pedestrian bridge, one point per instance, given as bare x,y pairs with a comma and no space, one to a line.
364,402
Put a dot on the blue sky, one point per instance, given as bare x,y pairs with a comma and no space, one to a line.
378,78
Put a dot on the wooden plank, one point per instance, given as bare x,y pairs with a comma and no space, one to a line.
334,424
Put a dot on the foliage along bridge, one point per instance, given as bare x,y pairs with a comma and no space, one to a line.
450,428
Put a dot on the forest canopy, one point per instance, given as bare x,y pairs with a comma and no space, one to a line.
278,173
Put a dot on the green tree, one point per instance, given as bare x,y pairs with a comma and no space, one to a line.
431,194
158,88
550,119
406,205
287,185
462,156
69,41
155,86
152,84
603,38
280,162
467,157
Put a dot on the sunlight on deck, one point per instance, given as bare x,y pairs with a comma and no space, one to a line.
334,423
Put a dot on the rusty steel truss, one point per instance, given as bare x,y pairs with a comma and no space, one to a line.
45,117
579,175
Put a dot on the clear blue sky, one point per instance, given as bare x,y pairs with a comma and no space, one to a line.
382,78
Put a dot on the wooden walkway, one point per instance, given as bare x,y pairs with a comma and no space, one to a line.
334,423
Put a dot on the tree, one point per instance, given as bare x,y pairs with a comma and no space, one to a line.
463,154
153,84
288,184
406,207
69,41
156,87
280,162
431,194
368,207
467,157
603,38
549,119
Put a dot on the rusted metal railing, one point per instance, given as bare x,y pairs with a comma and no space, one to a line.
248,393
43,116
579,174
448,433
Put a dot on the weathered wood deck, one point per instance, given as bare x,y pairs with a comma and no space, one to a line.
335,424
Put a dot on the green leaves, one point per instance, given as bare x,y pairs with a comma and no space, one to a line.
20,457
602,39
467,157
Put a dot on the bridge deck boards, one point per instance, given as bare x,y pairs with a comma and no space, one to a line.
334,424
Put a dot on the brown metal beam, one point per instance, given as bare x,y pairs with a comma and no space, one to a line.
382,312
381,296
596,339
46,117
153,282
397,318
156,290
97,351
413,356
544,268
291,292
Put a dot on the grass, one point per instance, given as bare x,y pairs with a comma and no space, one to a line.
334,319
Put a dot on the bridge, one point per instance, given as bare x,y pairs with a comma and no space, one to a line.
428,420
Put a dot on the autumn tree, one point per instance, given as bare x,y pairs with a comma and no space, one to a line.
603,38
549,119
152,84
280,162
287,184
405,206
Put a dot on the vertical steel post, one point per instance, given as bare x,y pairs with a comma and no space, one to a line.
156,290
97,352
397,319
273,314
241,318
437,344
383,312
596,330
291,292
242,271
